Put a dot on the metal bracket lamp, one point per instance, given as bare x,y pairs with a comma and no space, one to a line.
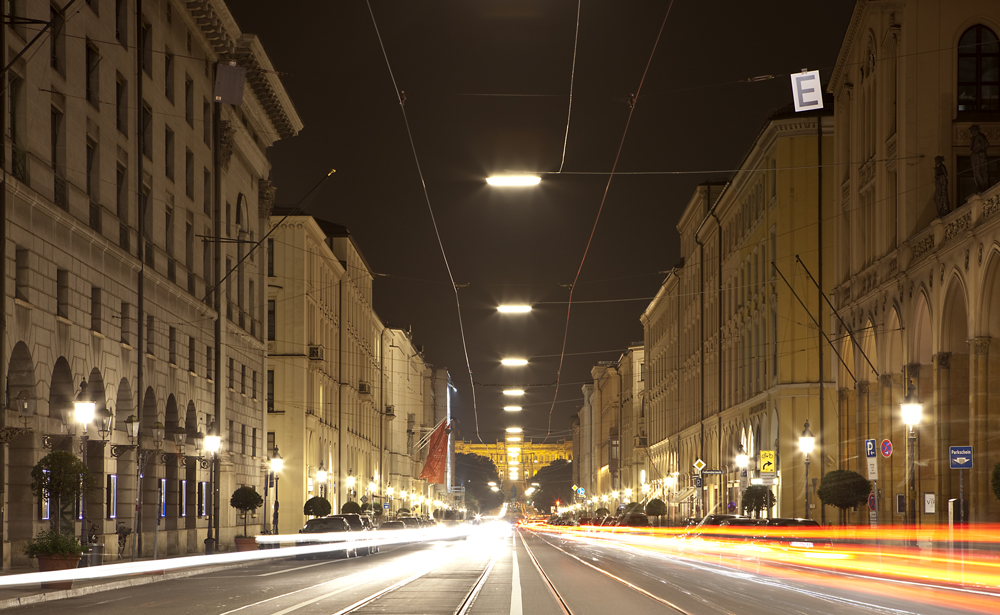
25,411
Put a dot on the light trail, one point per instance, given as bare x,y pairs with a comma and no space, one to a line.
331,542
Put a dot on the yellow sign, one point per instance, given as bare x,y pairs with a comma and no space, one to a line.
767,463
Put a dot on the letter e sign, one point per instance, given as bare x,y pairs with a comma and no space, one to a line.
807,92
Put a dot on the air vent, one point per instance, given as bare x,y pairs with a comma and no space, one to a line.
390,412
315,353
364,388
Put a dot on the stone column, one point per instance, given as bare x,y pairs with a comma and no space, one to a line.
940,419
979,491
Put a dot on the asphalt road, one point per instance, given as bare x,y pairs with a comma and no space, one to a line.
573,575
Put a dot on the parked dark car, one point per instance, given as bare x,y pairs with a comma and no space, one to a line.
411,523
363,544
392,525
793,537
326,525
371,527
634,520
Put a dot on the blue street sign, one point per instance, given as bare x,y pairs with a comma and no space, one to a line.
580,491
697,481
386,506
960,457
870,449
886,448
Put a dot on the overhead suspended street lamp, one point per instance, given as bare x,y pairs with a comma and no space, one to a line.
513,362
513,180
514,392
514,308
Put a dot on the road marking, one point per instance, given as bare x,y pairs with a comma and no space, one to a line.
515,586
267,574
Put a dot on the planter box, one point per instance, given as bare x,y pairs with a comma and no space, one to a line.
47,563
246,544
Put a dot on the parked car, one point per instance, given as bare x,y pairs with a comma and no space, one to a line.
363,544
411,523
794,537
392,525
634,520
371,527
326,525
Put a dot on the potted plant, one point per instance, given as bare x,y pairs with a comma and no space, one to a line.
350,507
317,506
59,477
656,508
246,500
843,489
757,499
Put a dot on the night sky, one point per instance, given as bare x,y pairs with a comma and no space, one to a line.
487,88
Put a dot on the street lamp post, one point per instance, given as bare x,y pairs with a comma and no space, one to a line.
742,461
212,444
911,409
806,444
277,463
84,408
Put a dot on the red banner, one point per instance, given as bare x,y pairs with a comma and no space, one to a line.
437,456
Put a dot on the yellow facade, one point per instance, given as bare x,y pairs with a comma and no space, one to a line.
527,456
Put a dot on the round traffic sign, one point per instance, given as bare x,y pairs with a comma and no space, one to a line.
886,448
871,501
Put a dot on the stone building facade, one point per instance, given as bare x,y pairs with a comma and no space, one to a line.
132,208
918,247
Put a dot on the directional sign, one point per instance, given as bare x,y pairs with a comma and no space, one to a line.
767,464
886,448
960,457
706,472
699,465
872,454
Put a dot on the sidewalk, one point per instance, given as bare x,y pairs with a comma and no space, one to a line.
33,594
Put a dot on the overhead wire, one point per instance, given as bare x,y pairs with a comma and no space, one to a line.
430,209
572,77
604,197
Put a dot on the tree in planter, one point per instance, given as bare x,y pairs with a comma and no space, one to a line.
757,498
317,506
656,508
351,507
61,477
843,489
246,500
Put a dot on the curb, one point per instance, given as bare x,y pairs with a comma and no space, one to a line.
144,579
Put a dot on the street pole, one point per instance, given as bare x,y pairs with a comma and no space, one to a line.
910,488
274,521
807,487
210,540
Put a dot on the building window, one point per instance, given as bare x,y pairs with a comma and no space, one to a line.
111,497
146,43
93,83
189,100
270,258
168,149
232,436
147,130
208,362
189,173
56,140
121,21
253,443
168,225
121,104
979,70
57,42
270,319
206,115
172,345
150,330
168,74
271,442
191,354
22,275
203,496
93,179
253,385
270,390
182,497
243,379
230,370
161,498
243,439
125,323
62,293
208,192
95,309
